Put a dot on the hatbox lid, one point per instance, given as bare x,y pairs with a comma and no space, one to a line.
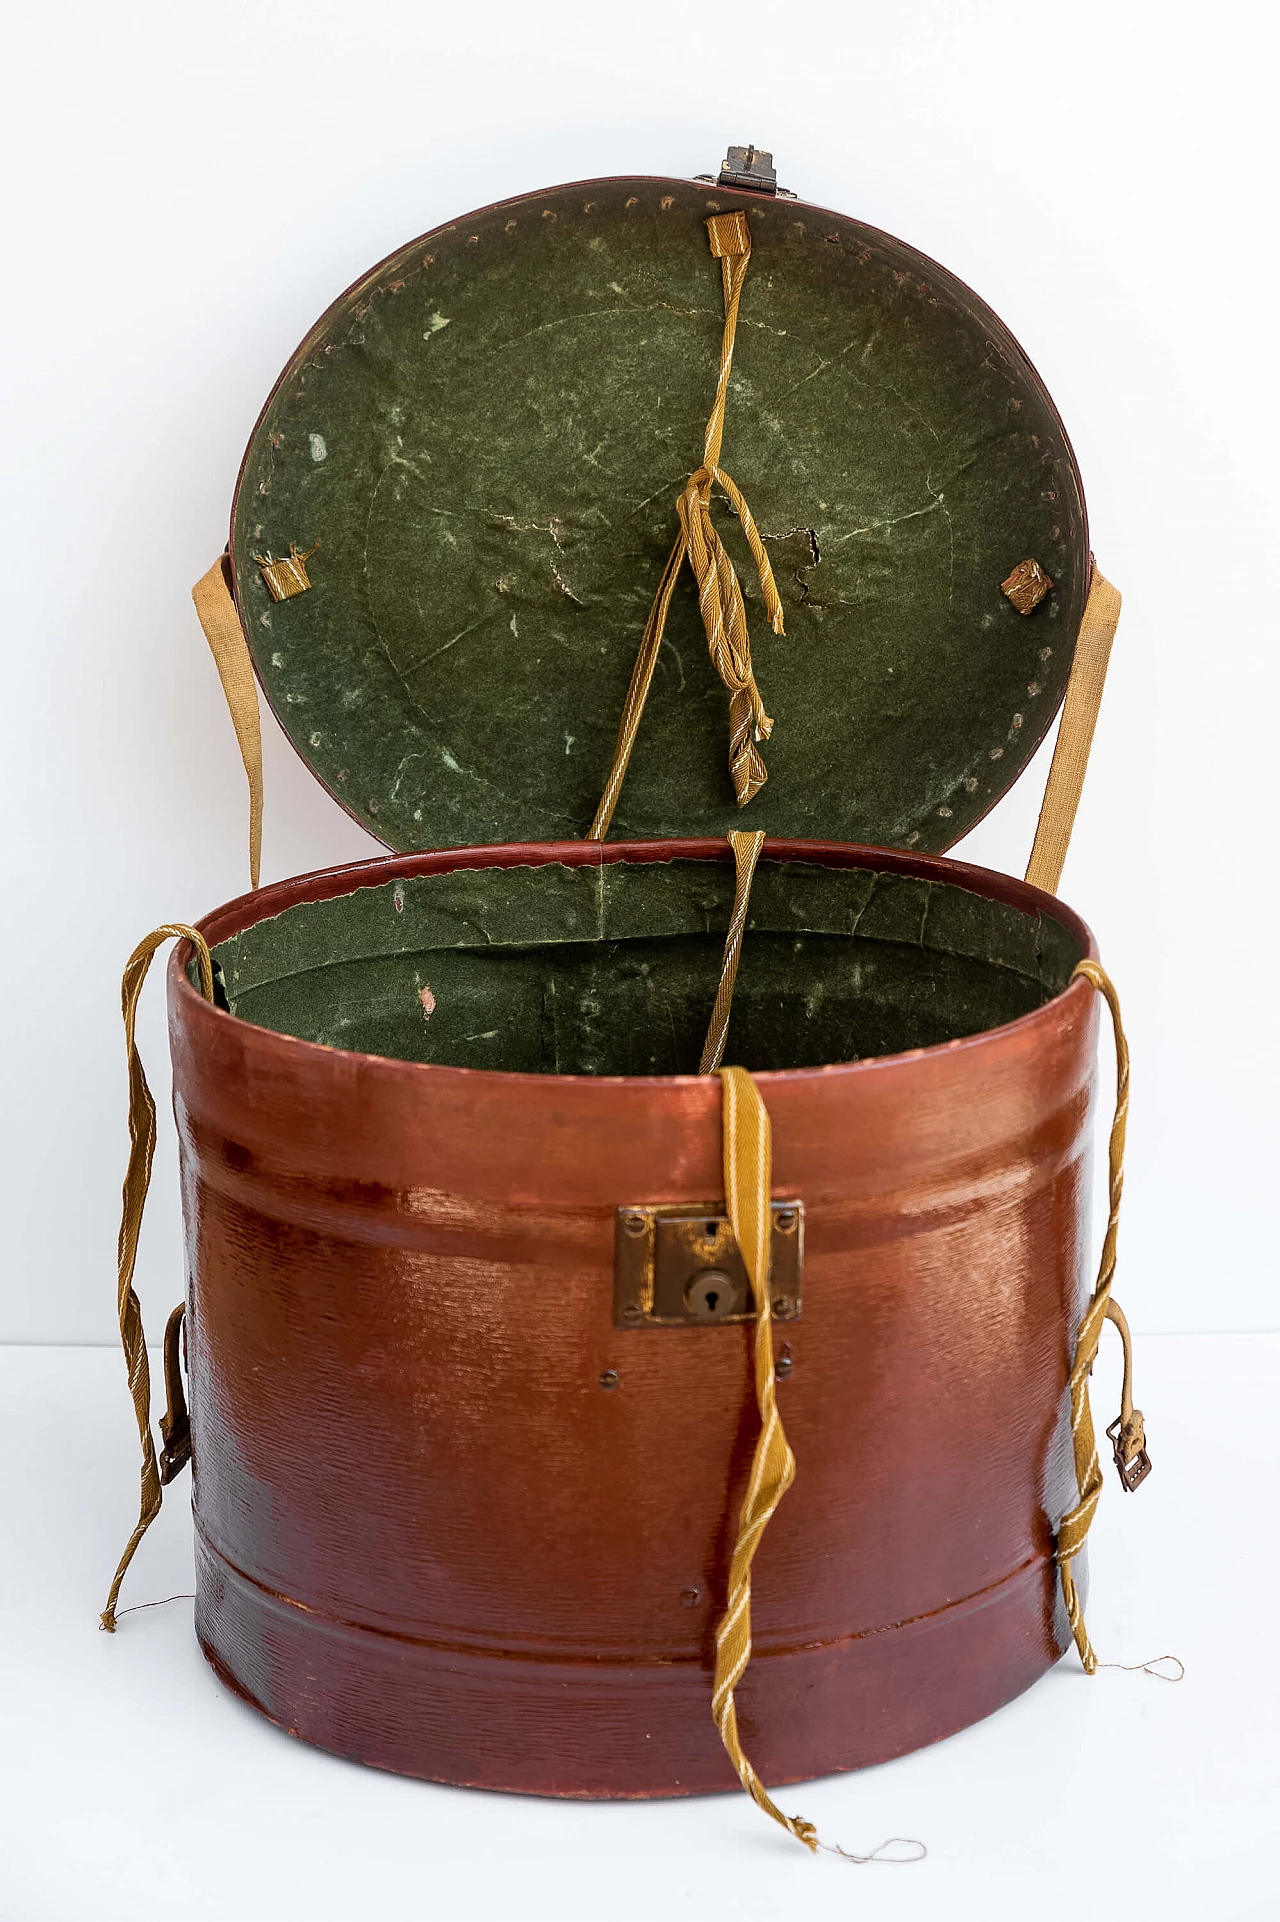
483,442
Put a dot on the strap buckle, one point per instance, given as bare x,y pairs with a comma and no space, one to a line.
175,1423
1129,1446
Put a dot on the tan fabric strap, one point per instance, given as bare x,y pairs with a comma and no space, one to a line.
1080,708
1127,1433
746,852
142,1145
720,601
724,615
748,1171
216,607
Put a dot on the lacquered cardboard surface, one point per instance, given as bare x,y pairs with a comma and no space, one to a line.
432,1538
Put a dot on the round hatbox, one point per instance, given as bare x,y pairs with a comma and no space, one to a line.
452,1519
464,1493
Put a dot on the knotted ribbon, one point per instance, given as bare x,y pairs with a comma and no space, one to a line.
1128,1433
748,1164
142,1147
720,600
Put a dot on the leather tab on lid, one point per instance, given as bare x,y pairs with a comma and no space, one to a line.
730,235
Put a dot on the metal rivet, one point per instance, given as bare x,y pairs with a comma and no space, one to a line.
690,1597
608,1378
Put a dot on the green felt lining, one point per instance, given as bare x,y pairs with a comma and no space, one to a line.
613,969
487,437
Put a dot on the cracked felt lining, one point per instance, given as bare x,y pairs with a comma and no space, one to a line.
488,435
613,969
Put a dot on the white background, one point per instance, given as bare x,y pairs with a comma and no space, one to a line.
135,1788
186,187
189,185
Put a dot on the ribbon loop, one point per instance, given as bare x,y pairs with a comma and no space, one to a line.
724,616
1128,1440
720,598
142,1147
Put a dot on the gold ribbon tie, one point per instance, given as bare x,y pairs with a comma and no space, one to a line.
175,1432
1127,1433
720,600
748,1174
746,852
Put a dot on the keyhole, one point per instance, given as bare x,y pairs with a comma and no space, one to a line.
712,1295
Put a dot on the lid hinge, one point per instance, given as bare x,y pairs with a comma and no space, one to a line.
748,167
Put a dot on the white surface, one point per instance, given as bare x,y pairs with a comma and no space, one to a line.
134,1788
190,185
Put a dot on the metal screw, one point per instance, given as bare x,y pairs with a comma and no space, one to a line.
783,1306
784,1364
785,1221
608,1378
634,1224
690,1597
633,1311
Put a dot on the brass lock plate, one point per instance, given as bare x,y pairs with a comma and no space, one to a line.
677,1267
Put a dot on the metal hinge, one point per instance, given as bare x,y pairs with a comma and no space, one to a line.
748,167
677,1265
